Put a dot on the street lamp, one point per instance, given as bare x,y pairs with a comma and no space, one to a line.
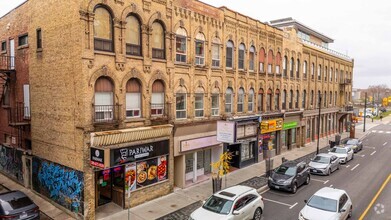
320,106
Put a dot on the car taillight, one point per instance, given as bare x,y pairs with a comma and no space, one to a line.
36,209
8,216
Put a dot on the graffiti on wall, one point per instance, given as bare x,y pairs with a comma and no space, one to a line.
11,162
59,183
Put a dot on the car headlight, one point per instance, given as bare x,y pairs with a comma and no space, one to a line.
271,179
301,217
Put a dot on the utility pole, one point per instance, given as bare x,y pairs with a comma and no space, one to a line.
320,106
365,110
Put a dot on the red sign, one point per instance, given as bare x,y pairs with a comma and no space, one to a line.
96,164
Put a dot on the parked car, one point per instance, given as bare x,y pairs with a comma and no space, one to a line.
233,203
324,164
355,144
327,204
289,176
17,205
344,154
383,109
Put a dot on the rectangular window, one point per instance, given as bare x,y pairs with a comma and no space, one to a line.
26,101
103,106
215,55
215,104
241,59
250,102
240,102
157,103
228,103
251,62
133,105
180,105
229,57
277,69
23,40
39,39
260,102
199,53
199,105
181,49
261,67
3,46
269,68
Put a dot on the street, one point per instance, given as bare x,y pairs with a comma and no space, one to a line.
361,178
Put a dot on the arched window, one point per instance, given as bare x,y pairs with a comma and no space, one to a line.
181,103
181,45
335,98
331,74
228,100
215,102
269,100
325,99
216,52
277,100
298,69
158,38
251,58
104,100
240,100
292,67
200,49
318,102
262,60
133,98
269,61
283,99
313,71
305,70
331,98
297,99
260,100
103,30
229,54
291,99
199,103
157,99
133,36
242,57
304,99
325,73
278,62
336,75
251,100
312,98
319,72
284,66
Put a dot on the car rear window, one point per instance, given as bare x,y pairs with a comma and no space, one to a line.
16,203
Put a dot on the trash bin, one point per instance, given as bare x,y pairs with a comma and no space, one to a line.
337,139
269,166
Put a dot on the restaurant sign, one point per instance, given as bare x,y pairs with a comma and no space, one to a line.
289,125
139,152
97,158
271,125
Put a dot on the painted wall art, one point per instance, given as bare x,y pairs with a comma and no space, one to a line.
11,163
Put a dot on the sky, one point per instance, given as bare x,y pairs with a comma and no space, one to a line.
360,28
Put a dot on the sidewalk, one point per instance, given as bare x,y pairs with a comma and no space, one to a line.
185,200
44,206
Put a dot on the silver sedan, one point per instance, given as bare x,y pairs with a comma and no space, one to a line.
324,164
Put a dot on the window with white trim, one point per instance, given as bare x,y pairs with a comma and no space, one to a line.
180,107
180,43
216,52
251,58
133,98
104,99
157,99
242,49
240,100
200,49
229,54
228,100
250,100
215,105
199,105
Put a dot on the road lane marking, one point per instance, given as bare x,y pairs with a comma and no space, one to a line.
281,203
361,155
381,131
373,153
326,182
374,131
369,147
388,132
331,185
355,167
263,191
293,205
322,181
384,143
375,198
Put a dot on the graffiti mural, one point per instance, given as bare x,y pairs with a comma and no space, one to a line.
59,183
11,162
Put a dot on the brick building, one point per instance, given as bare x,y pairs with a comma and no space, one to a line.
126,95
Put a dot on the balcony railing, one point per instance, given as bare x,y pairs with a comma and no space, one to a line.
19,115
106,113
7,63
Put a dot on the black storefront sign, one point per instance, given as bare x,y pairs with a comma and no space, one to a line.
140,152
97,158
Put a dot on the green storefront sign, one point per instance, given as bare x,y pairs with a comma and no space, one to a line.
289,125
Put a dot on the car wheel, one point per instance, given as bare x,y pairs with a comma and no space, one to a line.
328,172
307,180
350,212
257,214
294,188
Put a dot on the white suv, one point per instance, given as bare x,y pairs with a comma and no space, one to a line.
327,203
234,203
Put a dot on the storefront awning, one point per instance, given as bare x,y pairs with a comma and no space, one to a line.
106,138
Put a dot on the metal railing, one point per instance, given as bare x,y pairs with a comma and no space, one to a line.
333,52
19,115
7,62
106,113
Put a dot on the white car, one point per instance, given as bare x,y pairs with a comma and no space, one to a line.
327,204
344,154
233,203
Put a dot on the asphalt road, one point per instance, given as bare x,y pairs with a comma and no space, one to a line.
361,178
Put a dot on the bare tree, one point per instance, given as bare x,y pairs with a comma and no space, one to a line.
377,92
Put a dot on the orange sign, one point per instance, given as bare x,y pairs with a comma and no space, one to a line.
271,125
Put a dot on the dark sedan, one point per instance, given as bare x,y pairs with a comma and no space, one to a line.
355,144
16,205
289,176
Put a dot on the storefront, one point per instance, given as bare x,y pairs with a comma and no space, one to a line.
245,149
269,135
195,148
131,166
131,169
289,135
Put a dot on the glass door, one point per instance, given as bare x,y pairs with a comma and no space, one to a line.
104,186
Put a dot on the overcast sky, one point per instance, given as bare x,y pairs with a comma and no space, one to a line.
360,28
